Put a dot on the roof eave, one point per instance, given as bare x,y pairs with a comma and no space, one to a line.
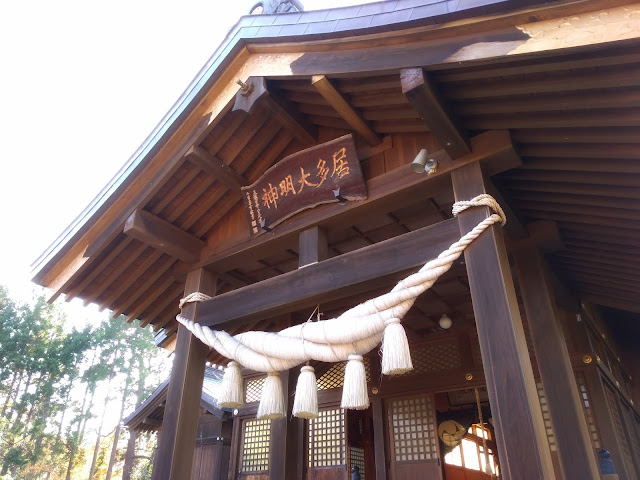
342,22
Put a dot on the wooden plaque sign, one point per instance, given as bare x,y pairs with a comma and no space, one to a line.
321,174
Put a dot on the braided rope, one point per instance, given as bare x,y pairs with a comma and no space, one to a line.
357,331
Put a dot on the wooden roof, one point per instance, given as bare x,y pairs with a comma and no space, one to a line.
571,108
148,416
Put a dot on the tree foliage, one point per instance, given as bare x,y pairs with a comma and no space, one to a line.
56,382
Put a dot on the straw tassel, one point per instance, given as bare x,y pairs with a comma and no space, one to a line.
354,392
272,404
232,394
305,404
396,357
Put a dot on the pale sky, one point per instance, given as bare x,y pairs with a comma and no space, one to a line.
82,84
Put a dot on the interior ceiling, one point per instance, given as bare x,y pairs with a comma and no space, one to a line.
574,119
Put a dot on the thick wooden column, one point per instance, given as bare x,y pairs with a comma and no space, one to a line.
522,443
577,456
179,427
129,455
378,438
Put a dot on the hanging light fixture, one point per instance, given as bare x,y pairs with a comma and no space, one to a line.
445,322
423,163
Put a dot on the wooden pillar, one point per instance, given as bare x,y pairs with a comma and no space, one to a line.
278,441
522,443
378,438
577,456
287,434
294,465
234,456
129,455
177,442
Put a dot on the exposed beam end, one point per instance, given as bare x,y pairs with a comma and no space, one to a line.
425,100
162,235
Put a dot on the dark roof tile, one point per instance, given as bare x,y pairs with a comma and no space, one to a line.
293,30
264,20
287,18
314,16
270,31
379,7
402,4
429,11
391,17
354,23
322,27
343,13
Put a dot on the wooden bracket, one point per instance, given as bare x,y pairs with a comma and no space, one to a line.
424,98
162,235
255,90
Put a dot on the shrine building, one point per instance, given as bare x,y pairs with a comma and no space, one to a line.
298,198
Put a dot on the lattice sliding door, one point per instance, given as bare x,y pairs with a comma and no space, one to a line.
327,446
413,438
254,456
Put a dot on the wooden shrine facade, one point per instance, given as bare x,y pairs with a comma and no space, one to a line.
532,102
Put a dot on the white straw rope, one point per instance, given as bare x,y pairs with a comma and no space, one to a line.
357,331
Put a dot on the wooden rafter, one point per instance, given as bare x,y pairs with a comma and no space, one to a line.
424,98
217,168
162,235
255,90
324,86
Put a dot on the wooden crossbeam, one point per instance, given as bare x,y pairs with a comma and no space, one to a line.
424,98
330,279
217,168
325,88
162,235
256,90
385,193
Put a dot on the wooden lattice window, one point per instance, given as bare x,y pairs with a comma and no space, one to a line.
588,409
428,358
334,376
546,416
414,429
255,446
253,390
327,443
356,457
